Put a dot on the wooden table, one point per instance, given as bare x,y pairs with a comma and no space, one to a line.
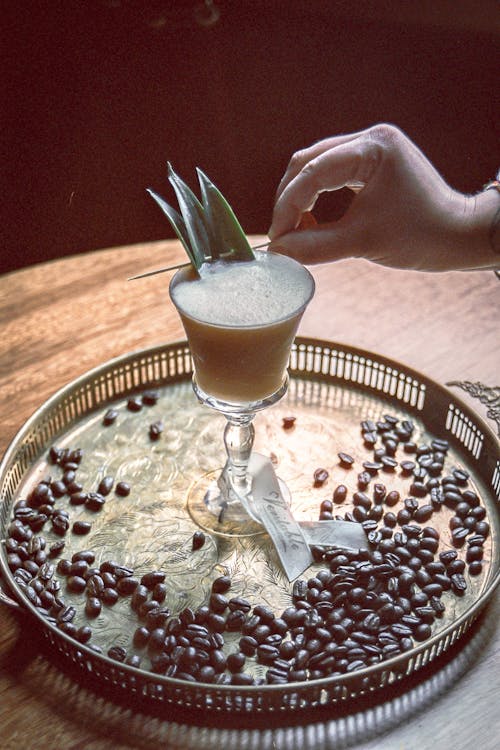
62,318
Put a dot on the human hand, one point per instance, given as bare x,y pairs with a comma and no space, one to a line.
403,215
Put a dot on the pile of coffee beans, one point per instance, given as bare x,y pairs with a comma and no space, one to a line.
357,609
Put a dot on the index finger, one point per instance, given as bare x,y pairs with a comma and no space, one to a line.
347,164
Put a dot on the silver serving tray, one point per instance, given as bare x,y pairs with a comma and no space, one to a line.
332,388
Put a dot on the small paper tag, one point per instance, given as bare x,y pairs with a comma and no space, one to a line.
270,507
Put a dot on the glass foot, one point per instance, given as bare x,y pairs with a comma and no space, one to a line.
213,514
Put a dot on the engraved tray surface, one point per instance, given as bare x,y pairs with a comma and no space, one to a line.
332,389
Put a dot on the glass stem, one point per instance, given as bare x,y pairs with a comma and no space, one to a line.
238,438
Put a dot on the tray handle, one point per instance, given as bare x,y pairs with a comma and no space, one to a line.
8,601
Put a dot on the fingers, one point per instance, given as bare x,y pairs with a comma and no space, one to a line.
349,162
303,157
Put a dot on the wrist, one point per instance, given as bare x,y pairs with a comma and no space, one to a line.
479,231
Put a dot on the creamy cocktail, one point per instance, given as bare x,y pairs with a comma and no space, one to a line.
240,319
240,310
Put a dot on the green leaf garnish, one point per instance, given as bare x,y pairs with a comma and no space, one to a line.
208,230
226,228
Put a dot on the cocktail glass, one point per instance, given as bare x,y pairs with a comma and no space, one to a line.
239,370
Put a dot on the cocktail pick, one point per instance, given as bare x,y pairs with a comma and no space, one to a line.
180,265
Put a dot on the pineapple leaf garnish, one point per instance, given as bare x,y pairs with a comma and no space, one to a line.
208,230
176,221
193,215
226,228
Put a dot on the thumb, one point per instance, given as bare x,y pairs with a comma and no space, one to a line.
320,244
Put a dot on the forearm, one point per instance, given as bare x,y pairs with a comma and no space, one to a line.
478,232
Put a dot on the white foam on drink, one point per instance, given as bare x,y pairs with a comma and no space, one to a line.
258,292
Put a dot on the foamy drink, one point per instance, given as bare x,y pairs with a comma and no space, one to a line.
240,319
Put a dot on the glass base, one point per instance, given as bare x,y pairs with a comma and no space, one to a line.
211,512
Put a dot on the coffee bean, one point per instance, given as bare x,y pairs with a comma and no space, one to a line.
93,606
109,595
423,513
109,417
81,527
118,653
149,580
345,459
105,485
134,404
320,477
475,568
95,501
340,494
474,553
127,585
155,430
198,540
150,397
122,489
288,422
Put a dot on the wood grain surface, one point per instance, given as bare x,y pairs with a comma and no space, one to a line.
60,319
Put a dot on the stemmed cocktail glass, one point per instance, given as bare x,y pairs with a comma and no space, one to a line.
240,368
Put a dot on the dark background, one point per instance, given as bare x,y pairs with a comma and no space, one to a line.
98,95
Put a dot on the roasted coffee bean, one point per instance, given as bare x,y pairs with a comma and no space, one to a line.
320,477
267,654
150,397
118,653
93,606
456,566
66,614
95,585
392,498
236,661
218,660
76,584
109,579
362,499
95,501
216,622
81,527
134,404
239,603
483,529
127,585
78,498
474,553
149,580
141,636
109,596
218,603
423,513
139,597
122,489
345,459
475,568
379,492
78,568
105,485
157,639
288,422
198,540
155,430
221,585
372,467
364,479
340,494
